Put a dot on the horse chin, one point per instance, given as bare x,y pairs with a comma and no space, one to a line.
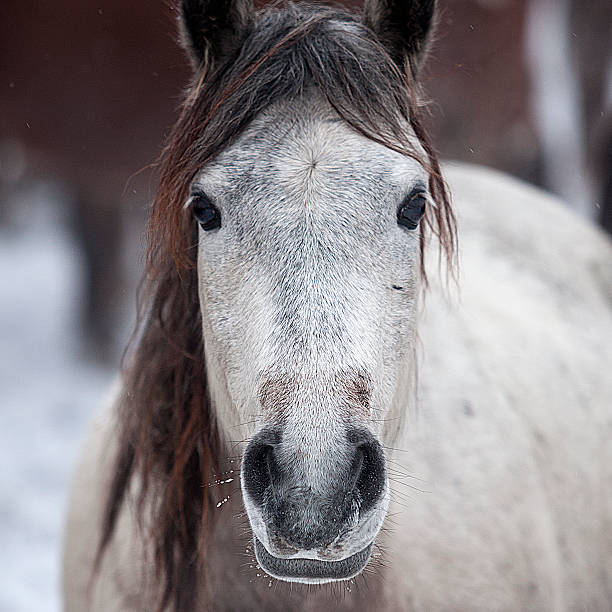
311,571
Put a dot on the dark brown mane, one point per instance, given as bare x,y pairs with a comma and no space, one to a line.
168,435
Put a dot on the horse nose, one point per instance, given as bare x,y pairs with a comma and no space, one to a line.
307,517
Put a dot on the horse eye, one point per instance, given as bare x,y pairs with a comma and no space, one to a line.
412,210
205,212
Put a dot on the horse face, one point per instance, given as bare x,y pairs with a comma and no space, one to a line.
308,273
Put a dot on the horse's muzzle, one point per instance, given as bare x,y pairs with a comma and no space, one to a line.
315,529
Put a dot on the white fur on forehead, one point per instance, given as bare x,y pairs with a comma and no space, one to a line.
304,140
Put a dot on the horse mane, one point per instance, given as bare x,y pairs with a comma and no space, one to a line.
168,437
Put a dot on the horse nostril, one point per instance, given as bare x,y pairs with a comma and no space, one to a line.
367,469
259,467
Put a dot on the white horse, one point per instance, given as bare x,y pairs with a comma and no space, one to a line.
285,316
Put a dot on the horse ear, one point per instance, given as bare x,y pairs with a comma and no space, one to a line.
404,27
214,29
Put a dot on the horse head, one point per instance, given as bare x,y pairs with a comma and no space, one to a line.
308,265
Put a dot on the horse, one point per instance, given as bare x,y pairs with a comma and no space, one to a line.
327,404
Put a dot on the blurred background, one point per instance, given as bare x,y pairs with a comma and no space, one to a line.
88,90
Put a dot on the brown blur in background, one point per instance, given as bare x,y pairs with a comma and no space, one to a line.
89,88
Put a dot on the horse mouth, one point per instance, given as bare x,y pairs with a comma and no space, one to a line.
311,571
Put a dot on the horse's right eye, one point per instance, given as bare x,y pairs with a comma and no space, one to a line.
204,211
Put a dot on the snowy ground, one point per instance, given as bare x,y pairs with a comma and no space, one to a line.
47,395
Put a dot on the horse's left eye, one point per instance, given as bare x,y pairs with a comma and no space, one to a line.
412,210
205,212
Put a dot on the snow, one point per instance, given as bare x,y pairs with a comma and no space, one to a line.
48,392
